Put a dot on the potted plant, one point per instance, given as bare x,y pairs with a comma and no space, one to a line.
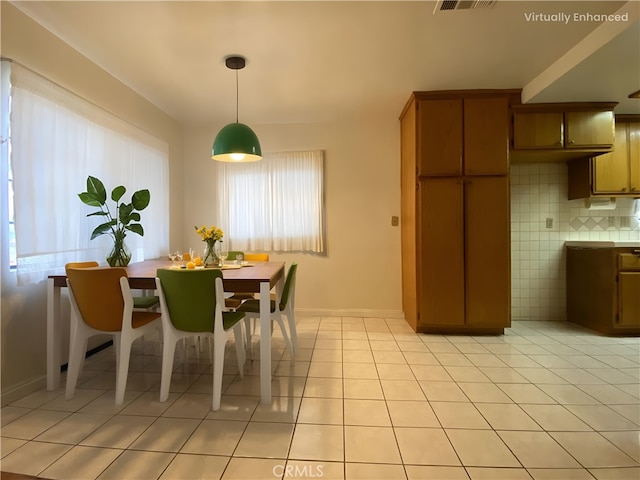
120,222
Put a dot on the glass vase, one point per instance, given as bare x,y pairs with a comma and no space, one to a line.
120,255
210,257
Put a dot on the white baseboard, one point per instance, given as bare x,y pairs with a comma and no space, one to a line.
23,390
347,312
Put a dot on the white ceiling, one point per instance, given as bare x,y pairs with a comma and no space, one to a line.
320,61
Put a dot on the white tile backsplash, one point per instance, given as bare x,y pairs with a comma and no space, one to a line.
539,192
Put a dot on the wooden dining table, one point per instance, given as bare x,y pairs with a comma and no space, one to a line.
255,277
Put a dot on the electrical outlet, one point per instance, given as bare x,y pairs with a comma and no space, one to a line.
549,223
395,221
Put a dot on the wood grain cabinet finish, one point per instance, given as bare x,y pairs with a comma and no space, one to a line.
613,174
603,289
455,211
561,132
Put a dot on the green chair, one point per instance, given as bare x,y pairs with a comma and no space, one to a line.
284,307
233,254
192,304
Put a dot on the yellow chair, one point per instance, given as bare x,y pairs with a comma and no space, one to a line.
235,300
101,303
256,257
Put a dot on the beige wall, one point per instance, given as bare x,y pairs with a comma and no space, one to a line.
24,308
360,273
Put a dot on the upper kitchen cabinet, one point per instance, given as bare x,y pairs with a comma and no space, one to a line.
446,125
558,132
613,174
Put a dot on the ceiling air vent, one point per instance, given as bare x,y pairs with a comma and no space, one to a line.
447,5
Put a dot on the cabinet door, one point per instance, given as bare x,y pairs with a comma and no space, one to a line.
538,130
441,262
634,156
488,265
440,137
486,136
589,129
611,170
629,299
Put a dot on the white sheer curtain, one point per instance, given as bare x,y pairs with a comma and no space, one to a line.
276,204
58,139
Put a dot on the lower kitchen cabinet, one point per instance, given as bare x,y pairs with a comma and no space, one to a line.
603,289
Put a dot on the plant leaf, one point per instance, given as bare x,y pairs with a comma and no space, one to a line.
98,213
124,213
117,193
141,199
102,229
136,228
96,187
90,199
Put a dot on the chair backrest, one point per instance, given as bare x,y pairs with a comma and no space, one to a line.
98,295
288,291
80,265
233,255
256,257
189,297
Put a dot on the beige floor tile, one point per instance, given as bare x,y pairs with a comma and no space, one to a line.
525,393
215,437
601,417
453,359
630,412
326,369
357,356
332,355
629,473
406,344
406,413
577,376
402,390
443,391
478,448
190,405
592,450
356,344
466,374
135,464
485,360
11,413
560,474
253,444
360,370
484,393
304,470
540,376
205,467
627,441
74,428
235,407
431,373
555,418
32,424
33,457
323,388
423,472
362,388
412,443
149,404
82,462
420,358
82,397
39,398
503,374
383,346
281,409
252,468
506,417
394,371
459,415
538,450
369,471
328,411
166,435
490,473
317,442
370,445
118,432
385,356
366,413
8,445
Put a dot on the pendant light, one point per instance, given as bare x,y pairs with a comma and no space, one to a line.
236,142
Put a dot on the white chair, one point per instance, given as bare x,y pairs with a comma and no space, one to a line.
285,306
102,303
192,303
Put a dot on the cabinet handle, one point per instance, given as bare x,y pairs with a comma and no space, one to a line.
572,141
624,189
633,189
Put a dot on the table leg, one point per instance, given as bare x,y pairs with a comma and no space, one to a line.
265,342
54,347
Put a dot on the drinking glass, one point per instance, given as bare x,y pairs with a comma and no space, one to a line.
173,258
223,253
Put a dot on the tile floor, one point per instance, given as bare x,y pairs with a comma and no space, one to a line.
365,399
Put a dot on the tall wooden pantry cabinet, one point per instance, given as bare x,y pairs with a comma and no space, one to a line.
456,265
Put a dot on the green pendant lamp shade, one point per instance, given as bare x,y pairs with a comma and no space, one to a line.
236,142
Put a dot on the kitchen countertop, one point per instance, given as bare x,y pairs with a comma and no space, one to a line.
600,244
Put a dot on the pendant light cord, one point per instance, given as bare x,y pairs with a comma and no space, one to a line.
237,96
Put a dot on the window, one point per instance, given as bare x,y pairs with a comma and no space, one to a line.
276,204
58,139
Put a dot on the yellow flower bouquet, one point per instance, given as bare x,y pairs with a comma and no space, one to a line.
210,235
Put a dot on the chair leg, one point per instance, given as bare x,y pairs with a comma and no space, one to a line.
293,332
76,355
240,350
219,341
247,330
285,335
168,353
122,370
